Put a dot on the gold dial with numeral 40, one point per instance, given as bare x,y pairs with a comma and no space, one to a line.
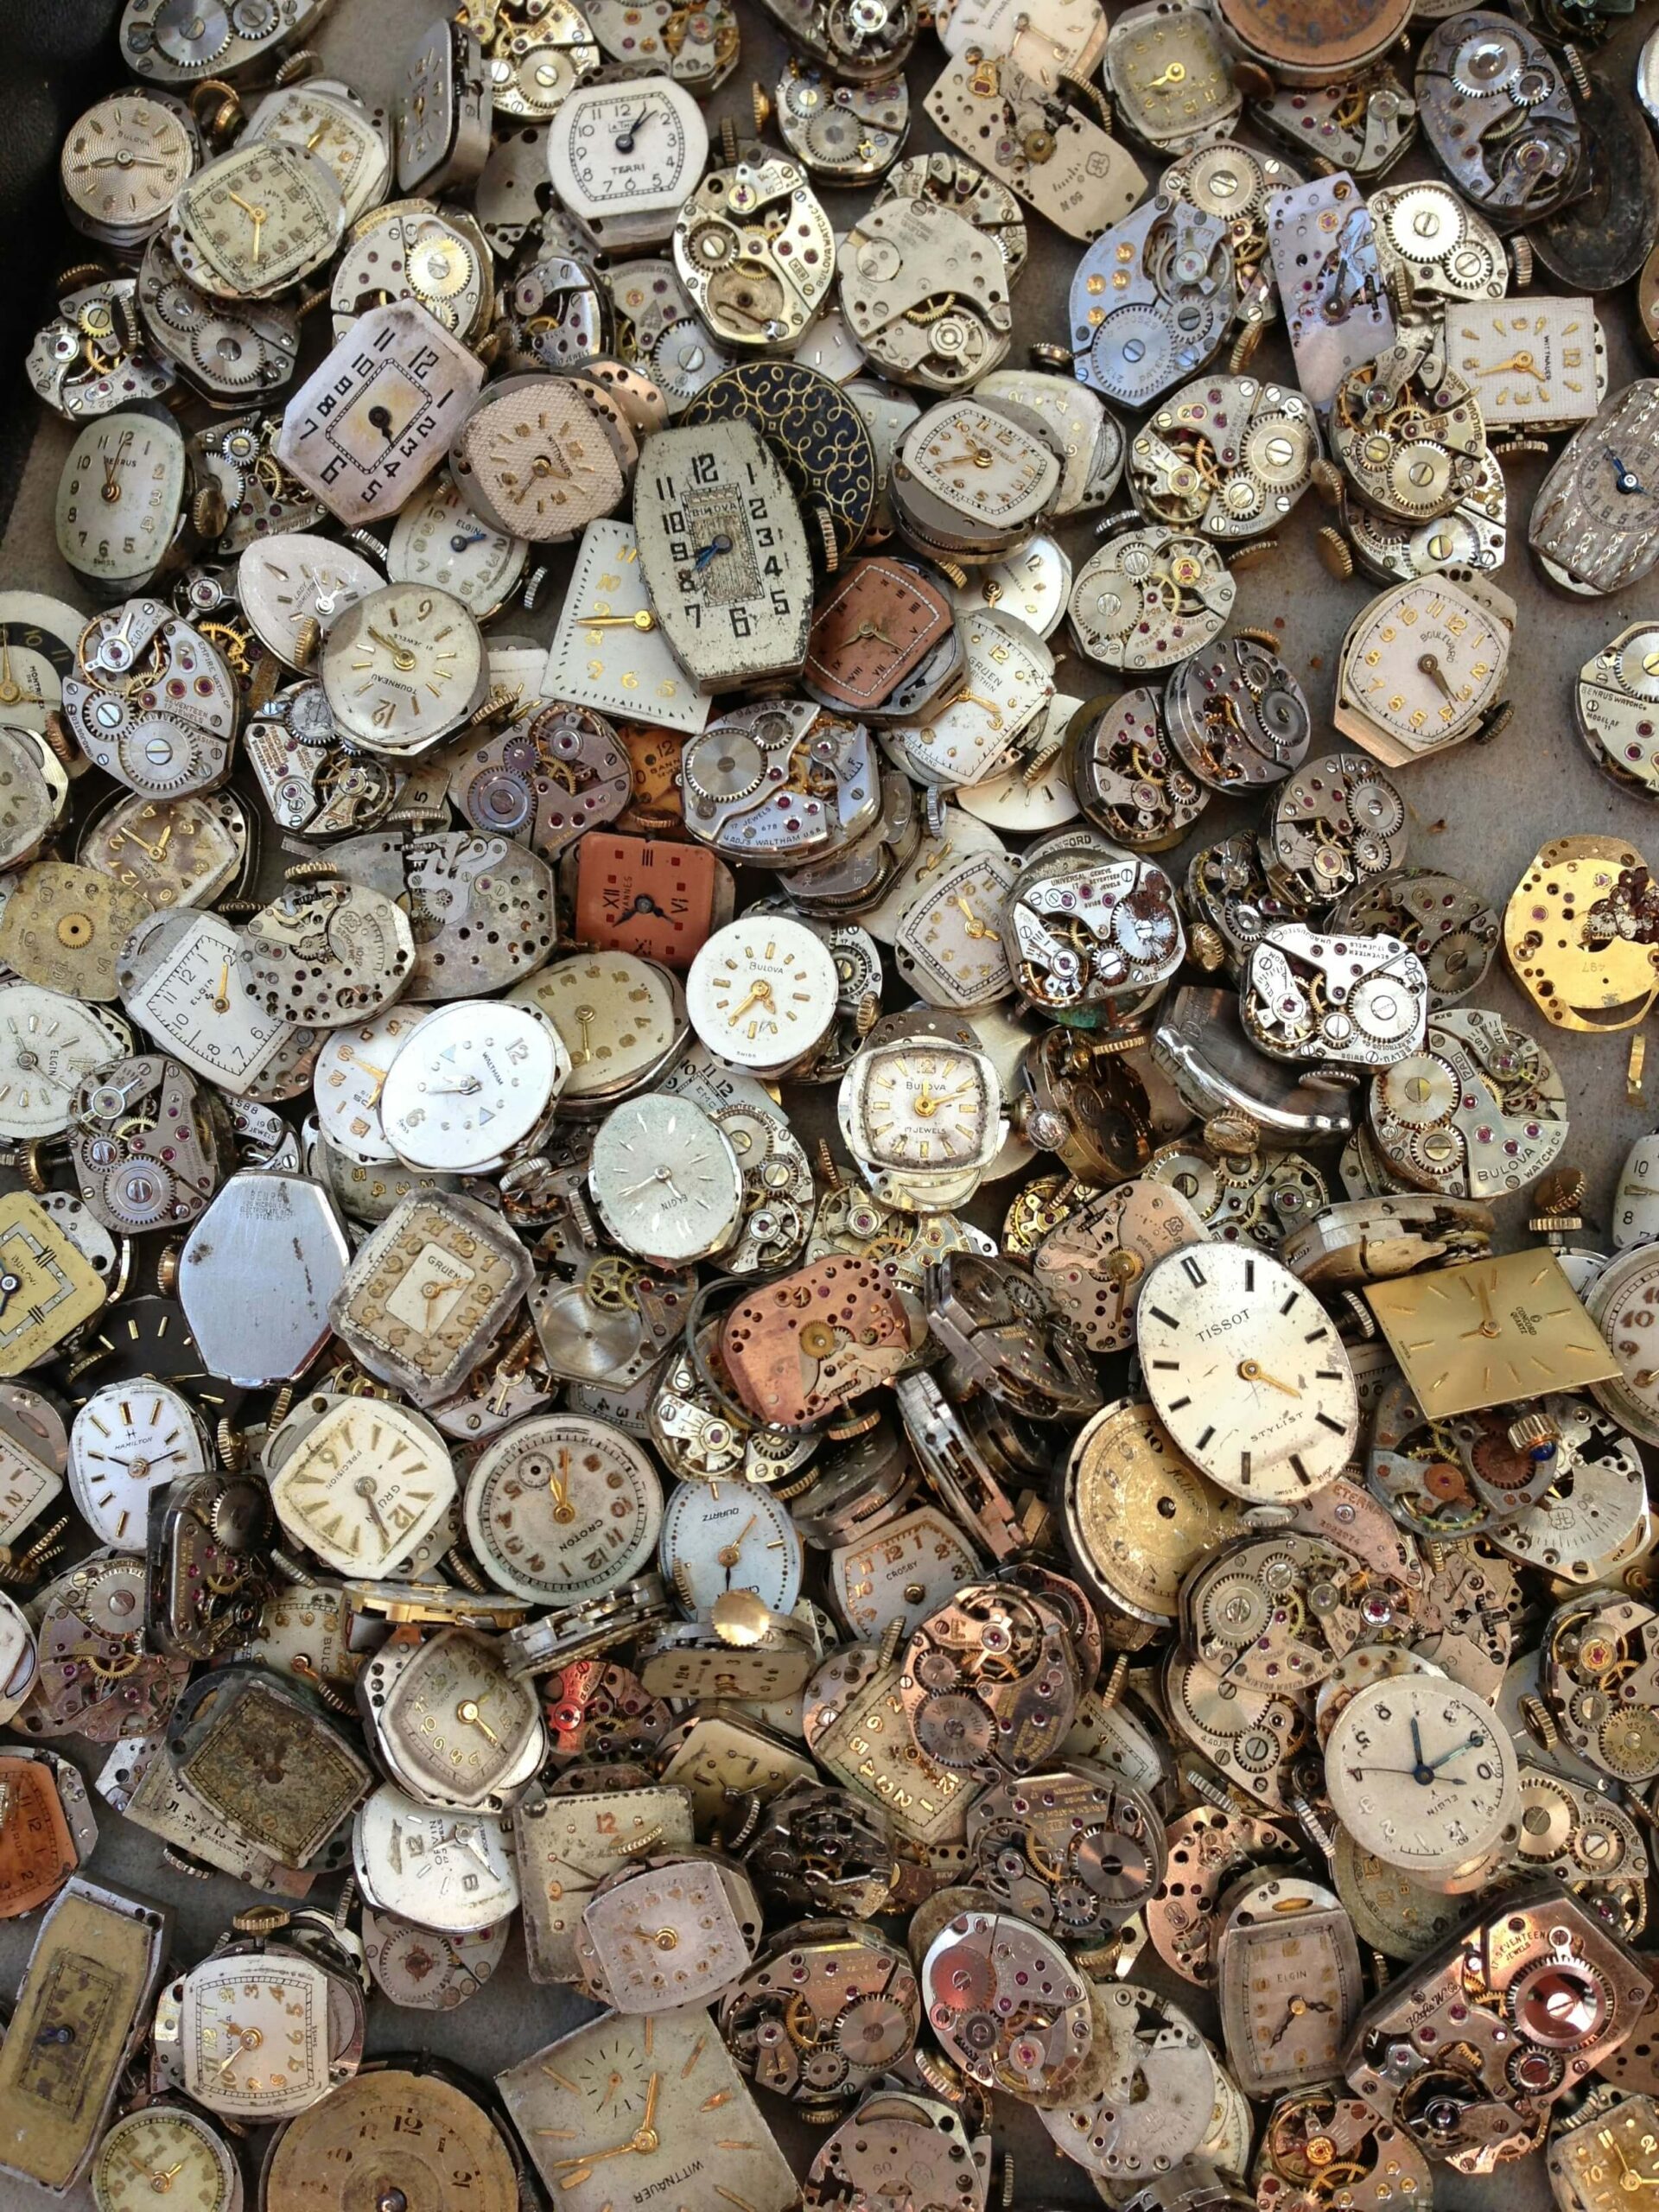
641,2110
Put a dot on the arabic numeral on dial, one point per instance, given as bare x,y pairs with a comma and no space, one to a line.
705,469
740,627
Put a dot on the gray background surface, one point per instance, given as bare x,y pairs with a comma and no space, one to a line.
1479,813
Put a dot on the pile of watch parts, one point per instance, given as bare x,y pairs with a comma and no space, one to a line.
513,1441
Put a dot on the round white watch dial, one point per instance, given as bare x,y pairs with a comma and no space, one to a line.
1247,1372
561,1507
403,667
721,1536
437,539
473,1081
1421,1772
48,1042
123,163
619,1016
450,1871
351,1073
666,1179
127,1440
761,992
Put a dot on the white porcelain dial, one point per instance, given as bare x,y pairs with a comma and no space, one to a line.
561,1507
1421,1772
351,1073
721,1536
450,1871
474,1080
761,992
127,1440
1247,1372
666,1179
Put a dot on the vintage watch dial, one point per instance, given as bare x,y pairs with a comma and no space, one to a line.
365,1481
663,2085
1289,1985
168,2151
1424,662
1139,1517
1247,1372
127,1440
532,458
437,539
123,163
721,1536
561,1507
48,1042
321,119
38,637
453,1871
626,150
1607,2163
182,979
761,992
351,1074
666,1179
666,1935
930,1107
119,499
723,554
568,1842
256,220
179,852
473,1081
617,1014
401,667
979,462
401,2133
254,2036
295,586
1421,1772
39,1849
453,1724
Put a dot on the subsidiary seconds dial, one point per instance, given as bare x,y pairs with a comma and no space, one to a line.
1247,1372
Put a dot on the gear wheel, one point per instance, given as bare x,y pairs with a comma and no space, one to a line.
141,1194
191,34
1383,1009
1375,808
1627,1743
1421,479
227,355
437,269
1419,1092
498,800
1549,1818
1638,665
1425,223
1133,354
725,765
962,1979
1224,180
1278,451
1488,62
158,753
1233,1611
953,1728
873,2031
255,18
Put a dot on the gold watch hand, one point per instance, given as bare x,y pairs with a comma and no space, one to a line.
1175,74
645,619
976,927
1489,1324
402,660
868,629
1521,364
222,996
467,1711
760,993
1251,1370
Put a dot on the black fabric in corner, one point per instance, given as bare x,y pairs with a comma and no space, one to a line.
56,56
